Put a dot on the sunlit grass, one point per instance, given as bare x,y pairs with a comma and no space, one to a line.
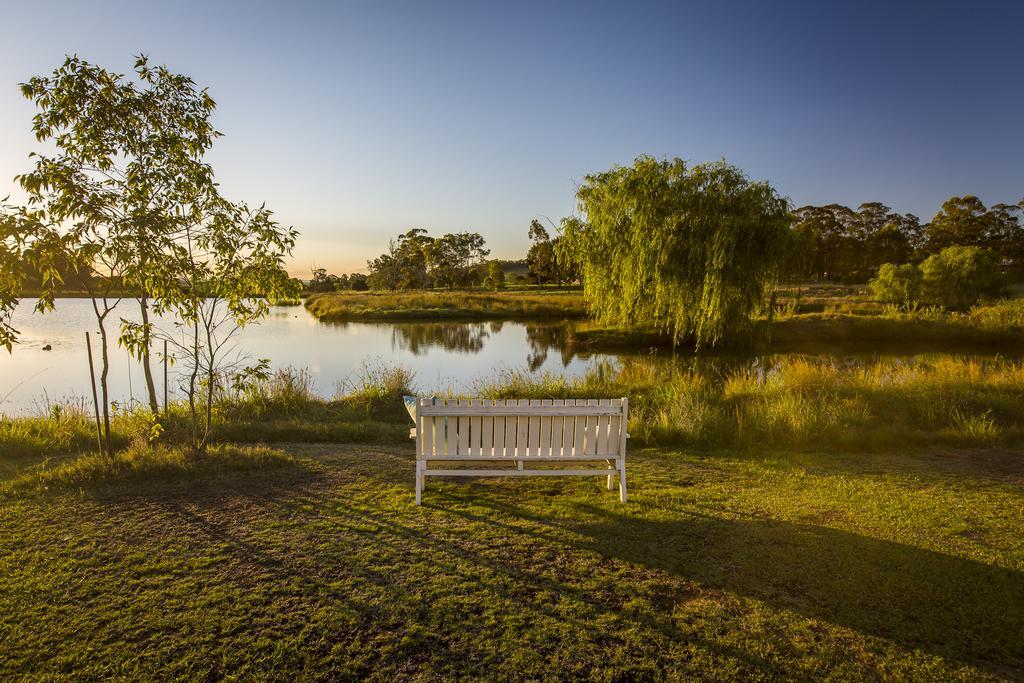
802,403
725,565
442,305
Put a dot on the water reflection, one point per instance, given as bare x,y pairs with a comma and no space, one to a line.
471,337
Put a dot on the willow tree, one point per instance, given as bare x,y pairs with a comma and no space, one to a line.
694,251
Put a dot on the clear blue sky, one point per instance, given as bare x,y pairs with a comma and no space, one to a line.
357,121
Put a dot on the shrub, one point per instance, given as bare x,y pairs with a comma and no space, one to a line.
899,285
957,277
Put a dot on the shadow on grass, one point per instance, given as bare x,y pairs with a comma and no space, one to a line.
946,605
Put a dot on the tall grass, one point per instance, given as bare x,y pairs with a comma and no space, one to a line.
434,305
802,403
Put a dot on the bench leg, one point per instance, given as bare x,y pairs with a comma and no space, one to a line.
519,465
622,480
611,477
420,480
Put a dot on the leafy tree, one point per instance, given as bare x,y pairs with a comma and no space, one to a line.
126,204
958,277
322,281
961,220
495,276
694,251
358,282
385,270
231,270
894,284
128,165
411,258
416,261
541,259
838,243
452,258
12,273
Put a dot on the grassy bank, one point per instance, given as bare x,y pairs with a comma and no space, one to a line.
988,328
723,566
794,403
285,408
436,305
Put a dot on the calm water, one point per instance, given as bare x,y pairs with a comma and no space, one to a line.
441,354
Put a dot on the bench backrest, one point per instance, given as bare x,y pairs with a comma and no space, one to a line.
543,429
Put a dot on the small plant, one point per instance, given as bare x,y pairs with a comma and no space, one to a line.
981,427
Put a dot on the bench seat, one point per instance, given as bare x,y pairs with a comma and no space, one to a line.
559,432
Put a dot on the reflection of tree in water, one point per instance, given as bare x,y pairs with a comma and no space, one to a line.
417,338
543,338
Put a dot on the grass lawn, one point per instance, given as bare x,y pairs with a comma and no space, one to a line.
315,564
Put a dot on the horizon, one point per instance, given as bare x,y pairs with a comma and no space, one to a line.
354,124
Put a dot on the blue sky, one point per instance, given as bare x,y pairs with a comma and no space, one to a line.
355,121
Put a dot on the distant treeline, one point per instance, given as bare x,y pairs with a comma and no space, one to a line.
831,242
416,260
835,242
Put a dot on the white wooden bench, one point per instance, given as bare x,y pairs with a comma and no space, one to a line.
561,432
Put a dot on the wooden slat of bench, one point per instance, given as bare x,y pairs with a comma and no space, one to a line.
522,429
544,446
580,431
487,434
590,441
568,429
510,435
463,430
475,423
533,438
450,428
614,424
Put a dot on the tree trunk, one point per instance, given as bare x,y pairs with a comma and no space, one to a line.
192,389
104,389
154,405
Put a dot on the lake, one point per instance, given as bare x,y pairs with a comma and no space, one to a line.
442,355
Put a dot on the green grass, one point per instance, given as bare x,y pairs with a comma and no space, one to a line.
723,566
443,305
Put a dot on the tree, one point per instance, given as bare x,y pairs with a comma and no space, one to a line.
694,251
385,269
411,258
452,258
958,277
540,259
961,220
12,273
901,285
323,282
839,243
495,276
358,282
127,206
128,165
231,269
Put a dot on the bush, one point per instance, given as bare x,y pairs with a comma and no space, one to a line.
958,277
901,285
